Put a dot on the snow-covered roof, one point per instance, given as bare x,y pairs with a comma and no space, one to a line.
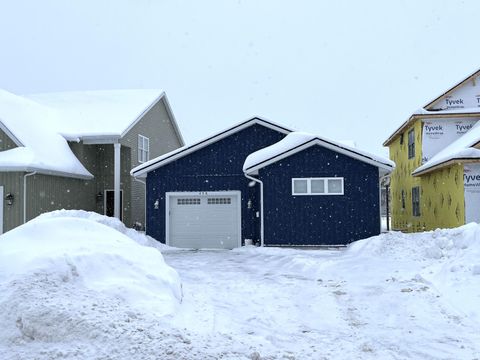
41,124
461,111
298,141
459,149
143,169
94,113
41,148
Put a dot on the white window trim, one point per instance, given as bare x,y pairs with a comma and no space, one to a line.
142,149
325,184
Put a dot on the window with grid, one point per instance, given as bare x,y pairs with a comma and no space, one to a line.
403,199
416,201
188,201
317,186
143,148
411,144
219,201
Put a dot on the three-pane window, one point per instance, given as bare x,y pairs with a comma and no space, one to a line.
143,148
317,186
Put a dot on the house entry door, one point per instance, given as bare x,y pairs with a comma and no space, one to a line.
109,203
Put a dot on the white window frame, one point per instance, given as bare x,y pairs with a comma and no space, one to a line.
325,184
143,148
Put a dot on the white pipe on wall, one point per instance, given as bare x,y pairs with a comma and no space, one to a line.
262,241
116,180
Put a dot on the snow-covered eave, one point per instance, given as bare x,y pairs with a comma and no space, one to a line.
111,137
426,114
10,134
44,171
86,137
141,170
455,160
387,166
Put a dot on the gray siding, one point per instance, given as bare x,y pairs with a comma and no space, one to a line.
105,178
47,193
5,142
12,183
157,126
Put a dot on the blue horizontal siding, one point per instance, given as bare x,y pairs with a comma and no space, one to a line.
216,167
320,220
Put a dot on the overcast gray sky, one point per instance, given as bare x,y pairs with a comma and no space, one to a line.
343,69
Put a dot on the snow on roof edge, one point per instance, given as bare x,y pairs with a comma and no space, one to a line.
459,149
295,140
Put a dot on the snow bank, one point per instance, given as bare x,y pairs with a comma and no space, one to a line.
65,278
112,222
447,259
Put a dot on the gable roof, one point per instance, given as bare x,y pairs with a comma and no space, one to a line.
452,89
41,124
298,141
143,169
461,150
427,112
40,148
101,112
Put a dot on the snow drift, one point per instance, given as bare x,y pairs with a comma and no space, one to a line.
64,277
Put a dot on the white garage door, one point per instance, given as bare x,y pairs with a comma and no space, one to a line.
204,220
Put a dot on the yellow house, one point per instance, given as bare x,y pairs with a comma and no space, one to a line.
436,182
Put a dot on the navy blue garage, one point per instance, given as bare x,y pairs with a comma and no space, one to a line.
258,180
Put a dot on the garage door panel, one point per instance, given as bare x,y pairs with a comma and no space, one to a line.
206,221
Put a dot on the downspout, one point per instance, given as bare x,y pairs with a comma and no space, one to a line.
262,242
145,200
25,195
386,201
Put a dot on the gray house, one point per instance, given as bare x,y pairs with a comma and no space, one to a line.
74,150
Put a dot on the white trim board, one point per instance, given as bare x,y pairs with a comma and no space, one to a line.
141,170
236,193
316,141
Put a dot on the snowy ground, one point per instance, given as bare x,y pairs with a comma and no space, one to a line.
395,296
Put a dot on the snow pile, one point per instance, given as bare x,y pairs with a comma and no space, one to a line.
114,223
421,288
68,279
448,259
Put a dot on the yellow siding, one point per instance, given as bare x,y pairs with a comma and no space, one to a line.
401,179
441,195
442,198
